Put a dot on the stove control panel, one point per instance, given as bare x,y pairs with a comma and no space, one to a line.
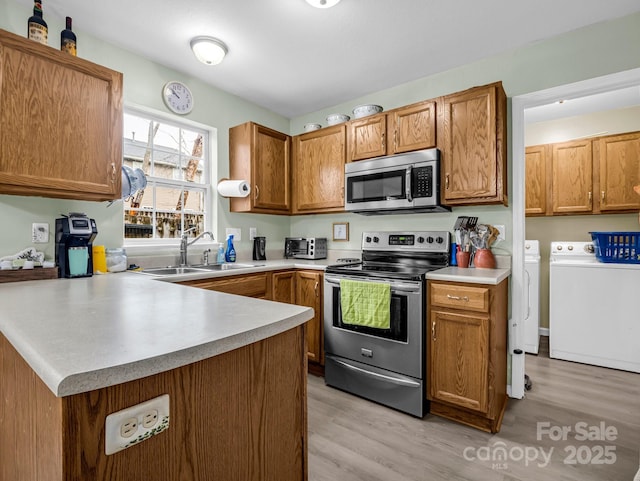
422,241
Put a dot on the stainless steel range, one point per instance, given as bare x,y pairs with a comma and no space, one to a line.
374,334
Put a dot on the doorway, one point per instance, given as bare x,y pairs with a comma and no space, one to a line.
520,103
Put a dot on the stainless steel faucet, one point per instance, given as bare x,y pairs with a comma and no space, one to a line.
185,242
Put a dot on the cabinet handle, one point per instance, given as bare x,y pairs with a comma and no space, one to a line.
458,298
383,140
433,330
446,182
113,172
315,288
395,140
257,191
590,197
603,196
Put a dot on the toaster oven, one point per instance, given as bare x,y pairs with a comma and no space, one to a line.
305,247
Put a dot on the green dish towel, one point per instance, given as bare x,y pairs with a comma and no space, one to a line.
365,303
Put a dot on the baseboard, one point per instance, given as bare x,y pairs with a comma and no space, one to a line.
544,331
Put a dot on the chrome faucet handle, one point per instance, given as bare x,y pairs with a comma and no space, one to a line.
205,256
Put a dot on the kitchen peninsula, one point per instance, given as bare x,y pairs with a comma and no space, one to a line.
73,351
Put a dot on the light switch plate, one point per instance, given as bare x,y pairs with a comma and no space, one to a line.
253,232
236,232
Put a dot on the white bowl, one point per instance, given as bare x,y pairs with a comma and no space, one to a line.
364,110
335,119
312,127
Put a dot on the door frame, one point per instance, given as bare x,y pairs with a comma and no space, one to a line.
520,103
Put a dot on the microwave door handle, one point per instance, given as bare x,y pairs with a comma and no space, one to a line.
407,183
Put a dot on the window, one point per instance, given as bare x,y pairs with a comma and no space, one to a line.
175,157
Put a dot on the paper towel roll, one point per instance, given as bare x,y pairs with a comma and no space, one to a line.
234,188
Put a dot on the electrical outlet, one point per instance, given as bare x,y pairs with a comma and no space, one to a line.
40,233
253,232
135,424
235,232
502,233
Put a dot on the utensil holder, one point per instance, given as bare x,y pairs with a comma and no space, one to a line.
484,258
462,258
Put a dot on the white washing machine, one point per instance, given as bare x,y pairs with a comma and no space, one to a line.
593,308
532,278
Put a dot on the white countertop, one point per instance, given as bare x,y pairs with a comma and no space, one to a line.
474,275
83,334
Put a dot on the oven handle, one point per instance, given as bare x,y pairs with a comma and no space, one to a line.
395,286
394,380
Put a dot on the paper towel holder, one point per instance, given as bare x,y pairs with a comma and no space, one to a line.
245,192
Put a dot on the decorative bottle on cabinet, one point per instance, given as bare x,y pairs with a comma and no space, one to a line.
36,26
68,39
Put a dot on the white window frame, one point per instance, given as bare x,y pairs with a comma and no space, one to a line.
146,246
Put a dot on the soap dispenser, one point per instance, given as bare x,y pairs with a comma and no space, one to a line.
230,254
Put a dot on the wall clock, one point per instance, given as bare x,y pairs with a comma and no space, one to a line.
177,97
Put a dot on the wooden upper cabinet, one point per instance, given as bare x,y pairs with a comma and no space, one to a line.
412,127
260,155
572,177
405,129
60,123
619,160
366,137
318,170
536,180
473,146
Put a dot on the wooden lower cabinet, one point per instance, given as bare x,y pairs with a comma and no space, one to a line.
467,352
237,416
303,288
251,285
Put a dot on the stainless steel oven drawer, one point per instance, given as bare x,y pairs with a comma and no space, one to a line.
397,391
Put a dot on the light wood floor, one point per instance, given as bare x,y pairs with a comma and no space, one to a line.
354,439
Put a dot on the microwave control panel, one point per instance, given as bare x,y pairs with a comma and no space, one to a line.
422,181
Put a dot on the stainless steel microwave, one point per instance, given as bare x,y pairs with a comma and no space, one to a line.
399,184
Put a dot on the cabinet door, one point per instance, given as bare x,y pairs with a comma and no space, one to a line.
283,287
572,177
309,294
260,155
619,159
318,170
412,127
367,137
473,146
459,359
535,180
60,123
250,285
270,164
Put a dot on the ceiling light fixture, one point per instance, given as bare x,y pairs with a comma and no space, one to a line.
322,3
209,50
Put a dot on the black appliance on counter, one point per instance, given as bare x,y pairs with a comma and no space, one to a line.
384,365
259,248
74,244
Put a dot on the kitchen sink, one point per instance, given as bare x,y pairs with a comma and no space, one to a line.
224,267
168,271
175,271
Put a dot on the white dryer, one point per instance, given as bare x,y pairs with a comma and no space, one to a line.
532,278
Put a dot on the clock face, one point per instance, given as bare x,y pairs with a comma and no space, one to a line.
177,97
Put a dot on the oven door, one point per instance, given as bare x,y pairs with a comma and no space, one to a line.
399,349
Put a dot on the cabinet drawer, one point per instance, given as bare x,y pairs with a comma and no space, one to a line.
460,297
250,285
